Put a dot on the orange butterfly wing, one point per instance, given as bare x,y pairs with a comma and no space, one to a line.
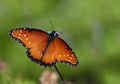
59,51
34,40
64,52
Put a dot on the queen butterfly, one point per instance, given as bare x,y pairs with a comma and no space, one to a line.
44,48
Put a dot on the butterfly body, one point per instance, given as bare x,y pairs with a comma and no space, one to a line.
44,48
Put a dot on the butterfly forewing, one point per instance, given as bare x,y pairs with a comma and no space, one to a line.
34,40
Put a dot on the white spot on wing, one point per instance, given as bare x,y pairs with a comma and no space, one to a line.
60,55
29,42
19,34
18,37
24,35
67,54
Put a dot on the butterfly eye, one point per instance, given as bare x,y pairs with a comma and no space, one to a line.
56,33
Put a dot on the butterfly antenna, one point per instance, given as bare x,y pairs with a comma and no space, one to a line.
59,74
51,24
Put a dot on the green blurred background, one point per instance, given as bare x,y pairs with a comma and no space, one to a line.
90,27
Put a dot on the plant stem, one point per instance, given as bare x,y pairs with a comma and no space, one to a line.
59,74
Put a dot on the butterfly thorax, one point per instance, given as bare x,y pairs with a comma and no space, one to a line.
51,37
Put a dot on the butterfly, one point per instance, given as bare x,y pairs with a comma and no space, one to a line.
44,48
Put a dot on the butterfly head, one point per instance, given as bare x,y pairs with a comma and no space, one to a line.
53,33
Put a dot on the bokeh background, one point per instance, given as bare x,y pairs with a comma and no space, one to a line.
90,27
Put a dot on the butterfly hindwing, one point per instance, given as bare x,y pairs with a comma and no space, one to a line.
59,51
64,53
